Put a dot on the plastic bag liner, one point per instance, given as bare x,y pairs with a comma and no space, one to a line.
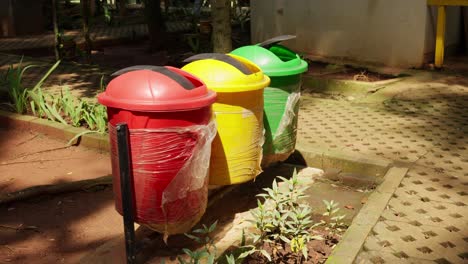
170,169
281,109
285,136
238,158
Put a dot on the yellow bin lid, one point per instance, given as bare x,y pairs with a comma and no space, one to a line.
226,73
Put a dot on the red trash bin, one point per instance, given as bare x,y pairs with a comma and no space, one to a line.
171,127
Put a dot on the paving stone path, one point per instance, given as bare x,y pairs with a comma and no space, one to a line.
97,34
422,125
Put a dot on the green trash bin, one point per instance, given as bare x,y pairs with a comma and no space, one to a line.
284,67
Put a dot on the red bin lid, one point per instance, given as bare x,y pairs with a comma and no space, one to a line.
156,88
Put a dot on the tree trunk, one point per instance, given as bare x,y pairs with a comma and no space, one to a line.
121,6
156,26
56,30
86,16
220,10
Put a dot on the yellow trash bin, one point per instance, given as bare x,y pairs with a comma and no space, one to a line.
237,149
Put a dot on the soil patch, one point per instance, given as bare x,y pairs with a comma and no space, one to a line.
29,158
319,250
58,229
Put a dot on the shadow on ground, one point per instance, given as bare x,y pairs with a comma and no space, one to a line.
57,229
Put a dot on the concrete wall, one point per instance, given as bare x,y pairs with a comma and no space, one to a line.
373,31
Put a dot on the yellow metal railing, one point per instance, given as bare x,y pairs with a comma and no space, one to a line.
441,17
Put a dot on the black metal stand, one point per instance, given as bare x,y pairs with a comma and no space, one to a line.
126,188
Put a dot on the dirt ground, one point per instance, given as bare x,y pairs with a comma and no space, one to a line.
65,228
57,229
28,158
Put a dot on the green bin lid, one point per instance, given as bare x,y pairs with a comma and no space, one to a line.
272,58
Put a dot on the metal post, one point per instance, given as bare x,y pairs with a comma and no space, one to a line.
440,37
126,188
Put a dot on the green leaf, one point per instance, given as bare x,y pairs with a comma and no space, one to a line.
285,239
70,142
213,226
245,254
201,254
305,252
192,237
199,231
187,251
211,259
264,253
42,80
54,114
230,259
181,260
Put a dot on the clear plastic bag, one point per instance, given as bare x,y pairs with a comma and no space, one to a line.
237,150
170,169
285,136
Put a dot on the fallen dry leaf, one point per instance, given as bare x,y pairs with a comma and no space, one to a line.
350,207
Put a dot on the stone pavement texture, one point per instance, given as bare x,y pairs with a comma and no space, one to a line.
420,123
97,34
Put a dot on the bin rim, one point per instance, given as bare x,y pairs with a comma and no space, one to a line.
279,67
119,94
256,80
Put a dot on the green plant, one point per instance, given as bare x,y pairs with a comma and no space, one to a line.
335,222
282,220
17,93
46,105
108,15
209,252
95,116
102,84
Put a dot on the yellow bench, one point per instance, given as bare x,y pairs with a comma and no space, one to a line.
441,15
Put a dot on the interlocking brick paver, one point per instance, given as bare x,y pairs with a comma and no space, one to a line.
426,128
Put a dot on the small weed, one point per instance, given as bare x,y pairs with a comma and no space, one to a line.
335,222
202,236
283,220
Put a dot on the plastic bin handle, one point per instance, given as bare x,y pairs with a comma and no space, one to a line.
275,40
221,57
180,79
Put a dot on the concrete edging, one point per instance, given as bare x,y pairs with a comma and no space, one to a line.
351,87
353,239
54,129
